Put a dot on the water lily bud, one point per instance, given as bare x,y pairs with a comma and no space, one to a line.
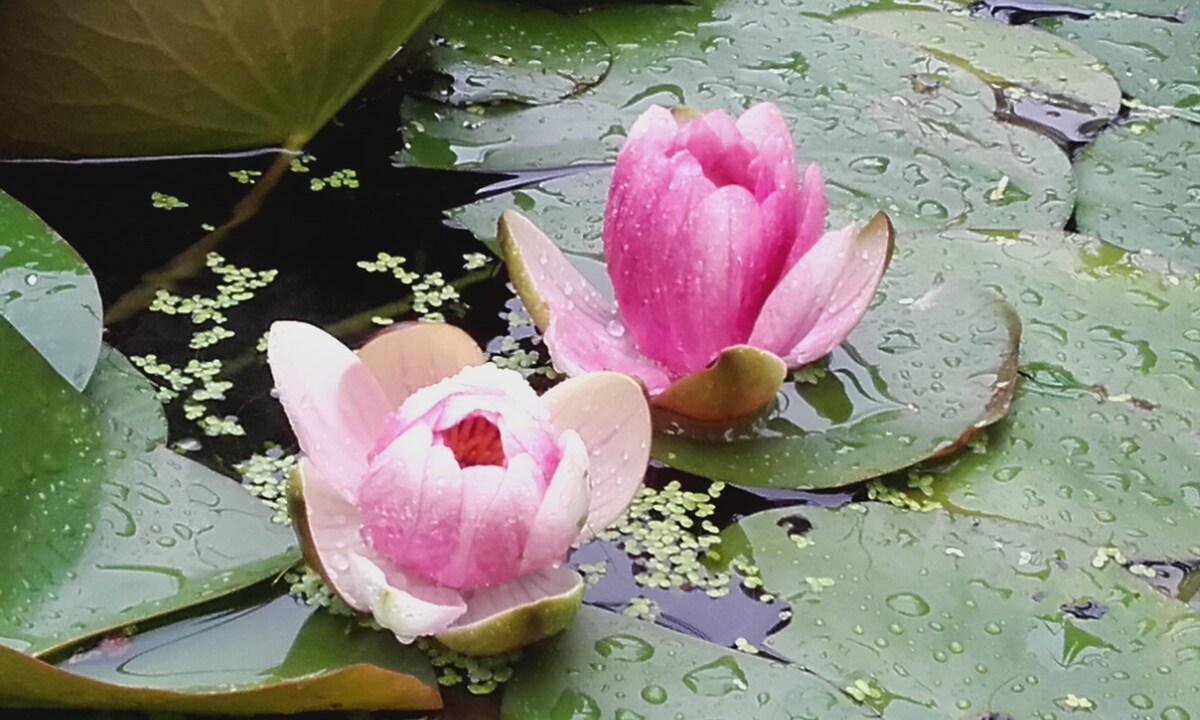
442,494
715,244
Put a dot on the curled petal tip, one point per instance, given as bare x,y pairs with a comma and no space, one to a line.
741,381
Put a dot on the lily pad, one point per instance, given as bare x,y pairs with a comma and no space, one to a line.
1002,54
112,528
486,52
610,665
931,364
1154,60
1139,187
273,657
893,128
48,292
121,391
132,77
942,615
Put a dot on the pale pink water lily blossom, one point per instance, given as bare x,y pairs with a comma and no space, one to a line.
723,274
440,493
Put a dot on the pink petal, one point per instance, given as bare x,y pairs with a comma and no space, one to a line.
526,589
498,506
612,418
331,524
579,327
411,503
410,356
724,155
564,507
410,610
335,405
710,302
824,296
810,222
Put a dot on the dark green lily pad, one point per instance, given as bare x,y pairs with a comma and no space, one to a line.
121,391
273,657
1155,61
1139,187
1002,54
486,52
932,363
893,128
612,666
48,292
129,77
949,616
112,528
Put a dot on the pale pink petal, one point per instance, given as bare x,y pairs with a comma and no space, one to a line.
825,294
580,328
409,356
610,413
549,582
773,180
334,403
331,525
409,610
764,125
655,125
810,217
498,505
411,503
564,507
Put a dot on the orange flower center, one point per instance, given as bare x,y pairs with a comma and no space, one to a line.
475,441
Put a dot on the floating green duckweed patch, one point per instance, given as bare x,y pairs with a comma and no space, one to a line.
481,675
941,614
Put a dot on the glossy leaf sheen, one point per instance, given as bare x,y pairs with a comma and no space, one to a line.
275,657
893,128
612,666
112,528
126,77
883,404
122,392
1140,187
48,292
957,616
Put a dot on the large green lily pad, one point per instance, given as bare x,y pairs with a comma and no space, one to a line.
103,528
121,391
932,363
274,657
48,292
893,128
1139,187
132,77
486,52
944,615
1002,54
1155,61
612,666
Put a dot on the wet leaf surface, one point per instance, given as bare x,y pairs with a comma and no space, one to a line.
122,392
941,615
1155,61
301,660
609,665
1001,54
931,364
112,528
894,128
140,78
48,293
1139,187
522,53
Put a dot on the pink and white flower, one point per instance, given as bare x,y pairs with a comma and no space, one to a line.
723,274
441,494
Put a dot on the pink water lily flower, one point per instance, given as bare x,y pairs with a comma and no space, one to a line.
723,275
441,494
